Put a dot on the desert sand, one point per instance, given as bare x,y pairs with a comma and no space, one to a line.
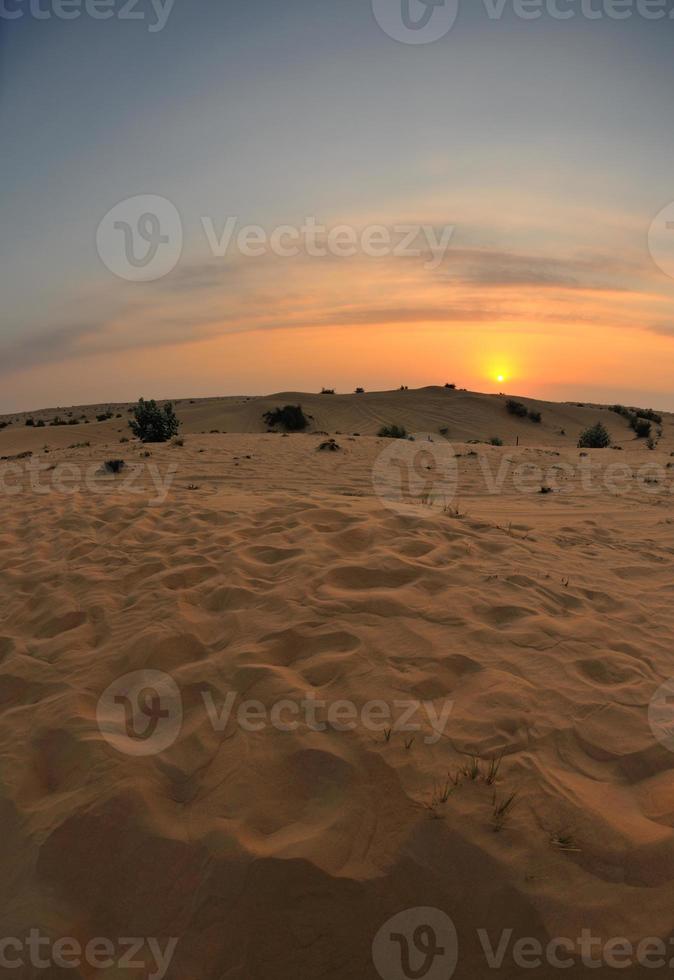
276,572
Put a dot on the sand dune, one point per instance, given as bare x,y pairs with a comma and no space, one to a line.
273,572
467,415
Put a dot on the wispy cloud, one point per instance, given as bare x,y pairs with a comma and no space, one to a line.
200,300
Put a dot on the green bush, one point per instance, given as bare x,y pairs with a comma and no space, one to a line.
596,437
495,441
290,417
534,416
392,432
152,423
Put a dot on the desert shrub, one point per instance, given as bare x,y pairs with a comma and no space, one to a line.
104,416
114,465
634,414
648,413
30,421
621,410
329,447
642,427
450,387
534,416
57,420
40,424
495,441
516,408
327,391
392,432
290,417
360,391
73,421
596,437
152,423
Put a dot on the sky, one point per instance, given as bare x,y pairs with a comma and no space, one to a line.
491,202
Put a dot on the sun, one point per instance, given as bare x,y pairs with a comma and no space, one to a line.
500,378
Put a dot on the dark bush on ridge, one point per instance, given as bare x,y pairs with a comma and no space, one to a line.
392,432
642,427
290,417
521,411
634,414
596,437
516,408
152,423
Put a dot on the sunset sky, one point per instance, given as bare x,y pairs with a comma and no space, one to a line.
546,145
